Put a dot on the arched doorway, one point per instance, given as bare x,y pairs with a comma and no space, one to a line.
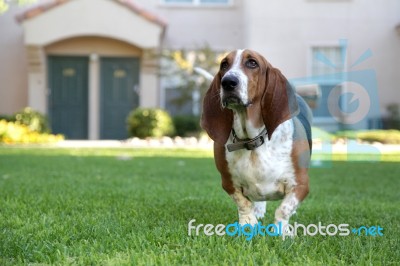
91,67
93,83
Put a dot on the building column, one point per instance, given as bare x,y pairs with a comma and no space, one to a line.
149,85
94,97
37,83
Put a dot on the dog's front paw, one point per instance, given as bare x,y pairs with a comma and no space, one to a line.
248,219
285,230
287,233
260,209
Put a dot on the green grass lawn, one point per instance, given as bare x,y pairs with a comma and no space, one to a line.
126,206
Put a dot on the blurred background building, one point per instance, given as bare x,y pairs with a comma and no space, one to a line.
87,63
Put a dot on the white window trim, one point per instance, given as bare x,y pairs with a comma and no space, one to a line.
310,66
196,3
322,44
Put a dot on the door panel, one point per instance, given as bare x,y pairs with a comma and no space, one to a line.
119,79
68,96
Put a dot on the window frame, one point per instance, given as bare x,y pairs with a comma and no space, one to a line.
321,83
196,3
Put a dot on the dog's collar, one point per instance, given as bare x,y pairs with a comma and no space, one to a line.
248,144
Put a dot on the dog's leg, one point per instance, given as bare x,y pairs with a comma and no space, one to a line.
295,195
260,209
245,208
285,211
289,205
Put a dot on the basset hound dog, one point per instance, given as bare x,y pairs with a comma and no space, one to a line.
262,136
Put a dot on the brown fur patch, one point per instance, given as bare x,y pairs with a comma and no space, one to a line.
253,113
222,166
215,120
300,158
254,159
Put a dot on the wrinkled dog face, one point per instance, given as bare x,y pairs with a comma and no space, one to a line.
247,86
240,71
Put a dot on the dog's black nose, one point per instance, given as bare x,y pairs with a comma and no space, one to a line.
229,83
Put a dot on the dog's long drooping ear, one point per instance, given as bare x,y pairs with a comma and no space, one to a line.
216,120
278,102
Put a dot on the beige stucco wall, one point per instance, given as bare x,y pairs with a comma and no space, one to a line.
62,30
107,29
285,36
102,18
37,78
65,30
193,26
284,31
93,45
13,66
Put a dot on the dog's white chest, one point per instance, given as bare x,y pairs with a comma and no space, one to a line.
265,173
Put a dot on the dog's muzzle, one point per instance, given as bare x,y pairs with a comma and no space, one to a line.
229,83
231,98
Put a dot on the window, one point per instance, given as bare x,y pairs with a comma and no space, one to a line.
214,1
326,60
178,1
328,71
196,2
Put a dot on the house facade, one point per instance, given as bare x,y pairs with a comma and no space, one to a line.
87,63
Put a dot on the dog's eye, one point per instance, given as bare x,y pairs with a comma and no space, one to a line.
224,65
251,63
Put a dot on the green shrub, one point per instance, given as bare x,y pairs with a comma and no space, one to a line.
346,134
8,118
383,136
318,133
186,125
149,122
34,120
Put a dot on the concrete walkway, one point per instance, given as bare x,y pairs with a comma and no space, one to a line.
205,143
164,142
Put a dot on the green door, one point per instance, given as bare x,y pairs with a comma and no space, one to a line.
68,96
119,81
